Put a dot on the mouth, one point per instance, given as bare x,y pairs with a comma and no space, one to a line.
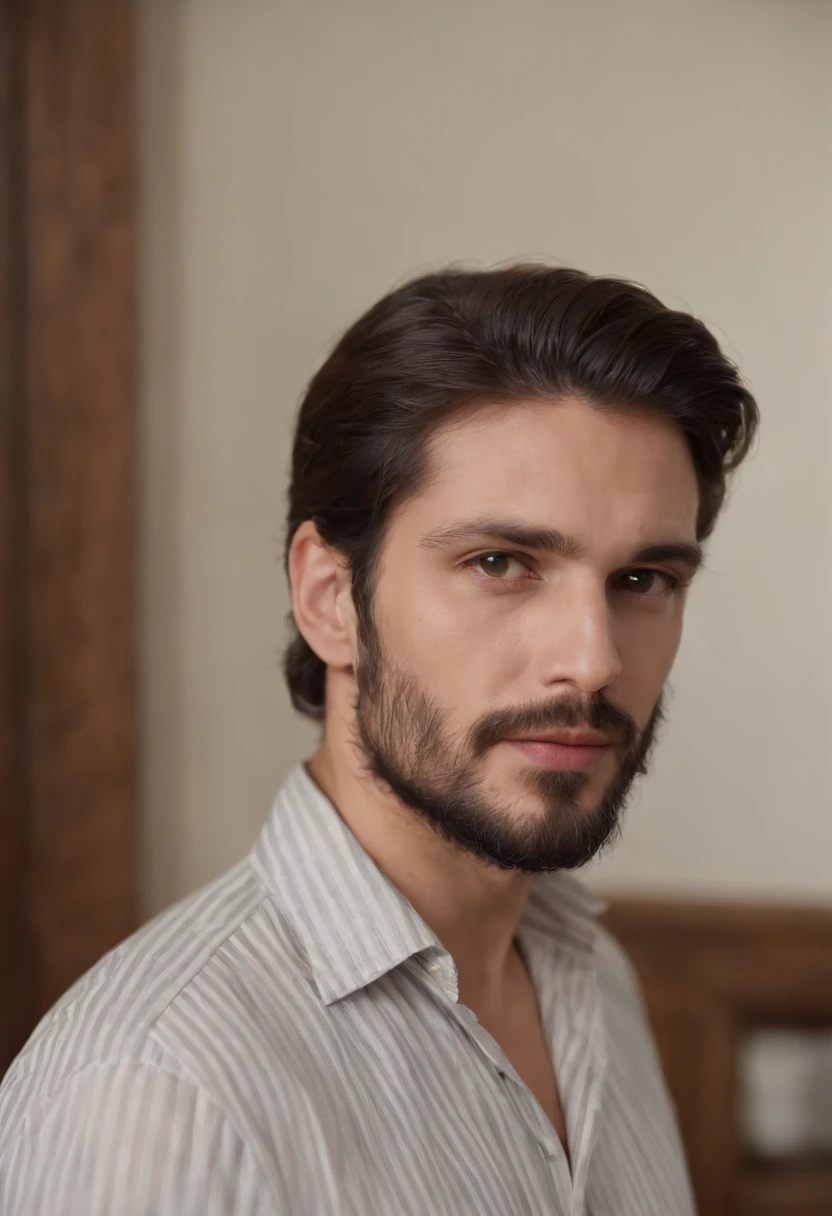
567,751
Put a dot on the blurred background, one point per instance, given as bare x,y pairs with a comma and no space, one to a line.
297,161
199,195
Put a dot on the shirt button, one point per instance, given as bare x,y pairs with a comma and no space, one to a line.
435,968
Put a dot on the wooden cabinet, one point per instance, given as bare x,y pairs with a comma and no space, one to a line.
713,973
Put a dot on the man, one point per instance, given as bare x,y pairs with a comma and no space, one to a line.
400,1002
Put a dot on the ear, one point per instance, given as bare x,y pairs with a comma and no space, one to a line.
322,597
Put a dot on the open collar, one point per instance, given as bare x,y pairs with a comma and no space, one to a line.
354,925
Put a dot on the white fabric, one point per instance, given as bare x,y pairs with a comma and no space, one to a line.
288,1042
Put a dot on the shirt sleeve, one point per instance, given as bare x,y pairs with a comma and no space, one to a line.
130,1139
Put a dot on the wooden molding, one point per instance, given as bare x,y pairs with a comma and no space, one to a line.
67,517
711,973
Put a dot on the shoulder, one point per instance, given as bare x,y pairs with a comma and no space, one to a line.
216,993
110,1013
163,1034
618,983
128,1137
630,1040
617,976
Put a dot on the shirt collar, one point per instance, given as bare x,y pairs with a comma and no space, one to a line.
354,925
560,906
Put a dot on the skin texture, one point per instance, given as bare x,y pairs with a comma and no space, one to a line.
479,648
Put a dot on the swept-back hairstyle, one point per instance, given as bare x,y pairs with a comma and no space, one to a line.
448,339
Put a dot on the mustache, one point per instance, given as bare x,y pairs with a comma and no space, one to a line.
591,713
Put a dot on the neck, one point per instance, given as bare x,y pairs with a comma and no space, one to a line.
472,907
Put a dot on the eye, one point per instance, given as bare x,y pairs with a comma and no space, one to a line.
498,566
648,584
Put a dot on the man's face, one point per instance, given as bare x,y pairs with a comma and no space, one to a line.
516,597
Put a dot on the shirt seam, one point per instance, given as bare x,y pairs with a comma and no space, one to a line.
151,1025
134,1049
25,1129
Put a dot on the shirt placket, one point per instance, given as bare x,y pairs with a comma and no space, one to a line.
565,979
525,1107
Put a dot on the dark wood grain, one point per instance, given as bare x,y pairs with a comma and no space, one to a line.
16,972
796,1192
712,972
66,506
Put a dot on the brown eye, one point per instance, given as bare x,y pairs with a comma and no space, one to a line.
498,565
648,583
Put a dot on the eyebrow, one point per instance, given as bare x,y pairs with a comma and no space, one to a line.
550,540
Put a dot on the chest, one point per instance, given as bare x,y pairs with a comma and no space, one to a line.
419,1119
515,1023
393,1100
524,1045
418,1115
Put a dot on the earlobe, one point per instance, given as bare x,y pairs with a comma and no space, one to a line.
317,579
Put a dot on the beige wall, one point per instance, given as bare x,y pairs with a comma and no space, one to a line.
299,158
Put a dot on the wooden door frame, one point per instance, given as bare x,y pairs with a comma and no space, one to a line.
67,510
68,617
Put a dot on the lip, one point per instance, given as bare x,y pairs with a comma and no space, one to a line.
551,752
570,738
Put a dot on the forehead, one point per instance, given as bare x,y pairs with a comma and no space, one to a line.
625,474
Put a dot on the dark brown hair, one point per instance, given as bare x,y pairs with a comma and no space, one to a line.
451,338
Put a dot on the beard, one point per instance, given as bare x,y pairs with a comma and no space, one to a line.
405,743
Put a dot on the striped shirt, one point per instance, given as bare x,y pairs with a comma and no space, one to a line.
288,1040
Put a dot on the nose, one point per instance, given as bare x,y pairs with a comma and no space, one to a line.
580,645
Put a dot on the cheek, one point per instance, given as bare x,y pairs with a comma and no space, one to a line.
648,647
446,635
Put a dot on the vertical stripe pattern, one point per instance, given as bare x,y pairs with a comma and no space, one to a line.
288,1040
